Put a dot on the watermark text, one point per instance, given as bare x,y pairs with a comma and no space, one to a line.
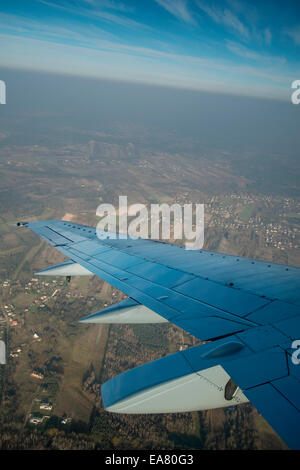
159,222
2,92
296,94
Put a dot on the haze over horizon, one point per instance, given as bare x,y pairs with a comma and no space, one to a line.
234,47
184,77
47,108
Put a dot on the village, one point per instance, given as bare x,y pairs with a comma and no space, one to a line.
277,220
40,292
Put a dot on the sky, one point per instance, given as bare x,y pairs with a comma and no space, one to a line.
230,46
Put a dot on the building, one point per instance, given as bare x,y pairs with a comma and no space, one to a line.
36,420
46,404
37,374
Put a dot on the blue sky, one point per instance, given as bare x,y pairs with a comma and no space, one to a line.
231,46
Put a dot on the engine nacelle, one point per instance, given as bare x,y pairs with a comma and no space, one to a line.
189,380
67,269
127,311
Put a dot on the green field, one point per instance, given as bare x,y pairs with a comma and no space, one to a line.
247,212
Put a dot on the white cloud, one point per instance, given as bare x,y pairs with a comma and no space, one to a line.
108,4
61,31
97,13
225,17
268,36
247,53
294,34
73,48
177,8
113,61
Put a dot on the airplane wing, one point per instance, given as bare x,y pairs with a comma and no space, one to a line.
247,310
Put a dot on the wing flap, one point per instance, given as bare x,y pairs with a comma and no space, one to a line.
258,368
289,388
278,411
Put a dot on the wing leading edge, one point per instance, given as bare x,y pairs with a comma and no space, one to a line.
248,308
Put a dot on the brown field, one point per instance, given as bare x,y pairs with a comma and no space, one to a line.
88,348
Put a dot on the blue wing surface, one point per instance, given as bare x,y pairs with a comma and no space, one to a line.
247,309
